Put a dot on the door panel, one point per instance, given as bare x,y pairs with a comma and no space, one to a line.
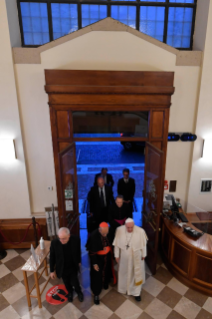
152,204
157,124
69,190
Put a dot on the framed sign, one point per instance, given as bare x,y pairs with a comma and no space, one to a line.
206,185
69,205
68,193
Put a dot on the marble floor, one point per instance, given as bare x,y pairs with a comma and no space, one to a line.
163,296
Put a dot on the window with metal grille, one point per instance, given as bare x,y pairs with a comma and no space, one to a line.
35,26
92,13
152,21
64,19
124,14
179,27
169,21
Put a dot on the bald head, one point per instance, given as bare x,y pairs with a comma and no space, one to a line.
63,235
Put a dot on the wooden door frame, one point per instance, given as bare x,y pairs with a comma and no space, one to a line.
127,91
159,208
74,217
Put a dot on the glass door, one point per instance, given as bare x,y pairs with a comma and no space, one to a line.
69,191
153,199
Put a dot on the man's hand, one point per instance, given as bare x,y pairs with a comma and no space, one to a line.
143,258
96,267
117,260
53,275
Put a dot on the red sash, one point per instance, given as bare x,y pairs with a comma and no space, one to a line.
106,250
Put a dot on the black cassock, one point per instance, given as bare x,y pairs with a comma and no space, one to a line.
96,243
127,190
116,214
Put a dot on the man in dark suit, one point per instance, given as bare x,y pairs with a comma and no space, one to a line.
100,197
126,188
65,260
108,178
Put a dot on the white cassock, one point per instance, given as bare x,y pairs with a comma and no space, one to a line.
131,269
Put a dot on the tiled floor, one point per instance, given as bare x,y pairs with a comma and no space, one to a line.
163,296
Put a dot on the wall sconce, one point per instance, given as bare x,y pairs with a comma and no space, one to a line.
7,150
207,149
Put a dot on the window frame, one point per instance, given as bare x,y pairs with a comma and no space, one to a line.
136,3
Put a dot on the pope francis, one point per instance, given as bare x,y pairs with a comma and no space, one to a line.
130,251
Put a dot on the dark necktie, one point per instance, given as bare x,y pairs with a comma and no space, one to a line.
102,197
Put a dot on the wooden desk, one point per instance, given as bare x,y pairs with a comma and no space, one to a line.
31,266
189,259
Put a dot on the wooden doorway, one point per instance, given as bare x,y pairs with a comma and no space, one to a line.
152,201
72,91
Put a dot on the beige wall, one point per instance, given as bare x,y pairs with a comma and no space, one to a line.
14,196
202,168
14,29
201,24
100,51
24,112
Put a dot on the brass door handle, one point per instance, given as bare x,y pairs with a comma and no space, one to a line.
154,213
152,226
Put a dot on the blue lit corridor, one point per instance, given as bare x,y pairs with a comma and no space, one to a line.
92,156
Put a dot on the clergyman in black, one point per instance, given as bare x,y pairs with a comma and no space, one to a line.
65,261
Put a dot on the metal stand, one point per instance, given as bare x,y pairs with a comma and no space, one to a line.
3,254
35,231
54,222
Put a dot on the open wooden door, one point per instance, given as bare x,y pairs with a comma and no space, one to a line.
153,199
69,190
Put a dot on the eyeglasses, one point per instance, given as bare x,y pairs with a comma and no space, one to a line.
65,238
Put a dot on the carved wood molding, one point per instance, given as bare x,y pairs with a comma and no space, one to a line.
66,89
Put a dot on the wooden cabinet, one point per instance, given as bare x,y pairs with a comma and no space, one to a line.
188,259
15,229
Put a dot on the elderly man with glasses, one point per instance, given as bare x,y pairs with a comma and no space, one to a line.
65,261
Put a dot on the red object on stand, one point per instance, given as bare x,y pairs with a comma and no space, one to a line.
166,185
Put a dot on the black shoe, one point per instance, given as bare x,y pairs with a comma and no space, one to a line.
80,296
96,300
56,297
138,298
70,297
105,286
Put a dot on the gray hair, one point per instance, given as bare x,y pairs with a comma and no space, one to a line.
65,230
